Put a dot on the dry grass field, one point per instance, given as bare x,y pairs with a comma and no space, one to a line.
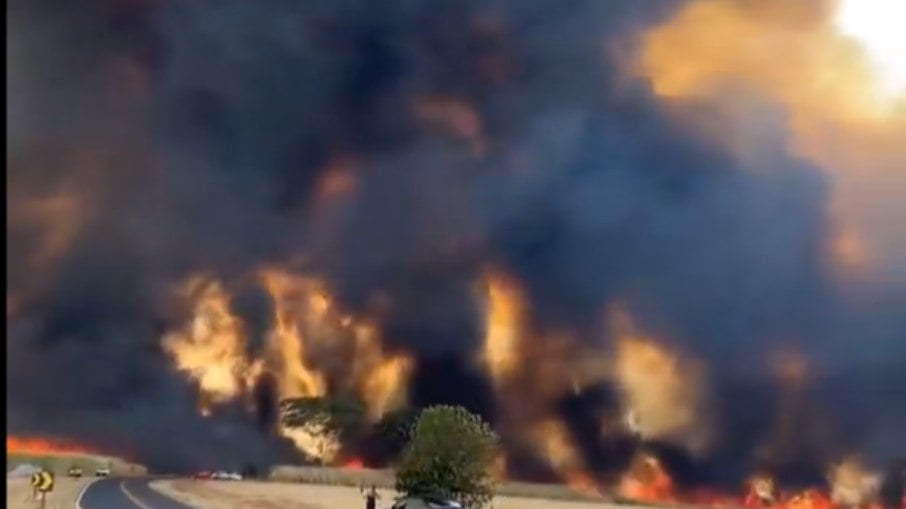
338,488
384,479
279,495
63,496
60,463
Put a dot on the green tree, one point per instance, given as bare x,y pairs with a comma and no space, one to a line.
451,454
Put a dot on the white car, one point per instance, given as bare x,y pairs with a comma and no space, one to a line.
221,475
102,472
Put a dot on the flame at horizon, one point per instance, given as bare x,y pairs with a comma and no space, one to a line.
43,446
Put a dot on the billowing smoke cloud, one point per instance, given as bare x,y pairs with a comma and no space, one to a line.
398,150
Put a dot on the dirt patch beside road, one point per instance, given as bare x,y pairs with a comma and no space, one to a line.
64,494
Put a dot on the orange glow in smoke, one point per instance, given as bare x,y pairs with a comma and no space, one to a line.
815,60
353,464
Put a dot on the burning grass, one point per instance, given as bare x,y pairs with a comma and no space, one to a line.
384,479
58,456
647,484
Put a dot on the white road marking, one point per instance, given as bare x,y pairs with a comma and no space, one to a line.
132,497
78,500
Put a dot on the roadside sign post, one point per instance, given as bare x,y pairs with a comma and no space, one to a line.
35,479
42,483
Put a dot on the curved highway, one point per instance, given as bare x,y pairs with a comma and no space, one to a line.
116,493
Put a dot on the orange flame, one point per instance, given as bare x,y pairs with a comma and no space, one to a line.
582,482
313,348
42,446
647,481
353,464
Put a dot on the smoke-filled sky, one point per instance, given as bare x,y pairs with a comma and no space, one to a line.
731,173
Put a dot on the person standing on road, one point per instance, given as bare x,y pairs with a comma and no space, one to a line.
371,496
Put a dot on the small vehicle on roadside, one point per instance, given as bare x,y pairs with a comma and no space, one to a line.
425,502
222,475
74,471
102,472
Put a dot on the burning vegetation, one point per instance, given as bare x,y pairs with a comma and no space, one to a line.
310,347
335,384
39,446
644,257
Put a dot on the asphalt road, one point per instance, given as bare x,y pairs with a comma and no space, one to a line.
125,494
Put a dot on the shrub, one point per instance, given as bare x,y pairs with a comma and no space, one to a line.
451,454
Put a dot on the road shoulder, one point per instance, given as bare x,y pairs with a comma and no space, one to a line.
65,495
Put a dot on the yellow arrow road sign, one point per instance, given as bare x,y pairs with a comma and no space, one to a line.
42,481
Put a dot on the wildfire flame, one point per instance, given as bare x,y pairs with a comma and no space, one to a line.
43,446
530,373
353,464
312,348
211,347
505,312
761,491
664,392
852,484
647,481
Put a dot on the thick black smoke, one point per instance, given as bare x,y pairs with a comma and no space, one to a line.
193,135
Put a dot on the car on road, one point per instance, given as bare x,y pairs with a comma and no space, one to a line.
425,502
74,471
222,475
102,472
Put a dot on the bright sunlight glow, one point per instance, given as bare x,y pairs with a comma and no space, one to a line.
880,26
